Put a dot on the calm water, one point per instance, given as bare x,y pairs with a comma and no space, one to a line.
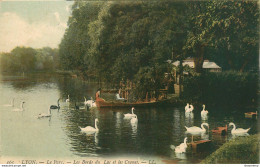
23,135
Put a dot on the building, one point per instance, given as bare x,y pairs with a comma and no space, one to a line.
207,65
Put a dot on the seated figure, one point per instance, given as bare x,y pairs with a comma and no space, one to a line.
119,98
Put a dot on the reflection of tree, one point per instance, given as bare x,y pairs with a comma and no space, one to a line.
29,80
76,88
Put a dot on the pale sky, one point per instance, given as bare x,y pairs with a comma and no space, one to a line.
32,23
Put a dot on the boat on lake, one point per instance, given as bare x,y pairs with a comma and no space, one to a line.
102,103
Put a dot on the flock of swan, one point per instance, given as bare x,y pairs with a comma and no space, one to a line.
194,130
90,129
87,104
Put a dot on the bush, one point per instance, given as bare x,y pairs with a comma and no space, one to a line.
242,150
221,89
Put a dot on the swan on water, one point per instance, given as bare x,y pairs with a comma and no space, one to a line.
238,130
21,107
91,103
196,129
134,120
10,105
85,102
204,113
43,115
130,115
187,107
188,110
90,129
181,148
191,108
68,99
54,106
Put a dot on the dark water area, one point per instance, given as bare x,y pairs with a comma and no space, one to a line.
23,135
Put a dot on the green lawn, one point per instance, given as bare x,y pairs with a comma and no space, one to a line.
242,150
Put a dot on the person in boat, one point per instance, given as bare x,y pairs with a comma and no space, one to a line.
120,98
98,93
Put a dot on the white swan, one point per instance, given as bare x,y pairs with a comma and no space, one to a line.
188,112
134,120
239,130
42,115
85,102
10,105
191,108
204,113
196,129
181,148
91,103
68,99
21,107
130,115
187,108
90,129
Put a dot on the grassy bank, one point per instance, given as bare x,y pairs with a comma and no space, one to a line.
242,150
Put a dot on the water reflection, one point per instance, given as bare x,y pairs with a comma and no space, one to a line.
181,156
60,135
189,119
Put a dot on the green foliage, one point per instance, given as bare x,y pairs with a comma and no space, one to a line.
29,59
226,88
243,150
114,41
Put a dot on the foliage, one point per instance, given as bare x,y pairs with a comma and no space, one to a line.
114,41
221,89
243,150
29,59
226,29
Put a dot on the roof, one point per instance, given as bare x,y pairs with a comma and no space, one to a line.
190,63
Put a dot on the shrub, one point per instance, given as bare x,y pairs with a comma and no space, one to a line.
242,150
221,89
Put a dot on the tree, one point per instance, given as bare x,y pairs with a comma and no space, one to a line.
26,58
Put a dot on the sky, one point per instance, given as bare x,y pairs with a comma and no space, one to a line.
32,23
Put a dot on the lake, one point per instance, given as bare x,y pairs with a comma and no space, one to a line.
24,135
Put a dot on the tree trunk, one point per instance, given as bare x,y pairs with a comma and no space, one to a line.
245,64
199,59
180,77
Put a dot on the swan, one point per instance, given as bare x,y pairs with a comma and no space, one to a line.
21,107
130,115
134,120
85,102
239,130
90,129
68,99
191,108
54,106
42,115
91,103
196,129
187,108
181,148
10,105
204,112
